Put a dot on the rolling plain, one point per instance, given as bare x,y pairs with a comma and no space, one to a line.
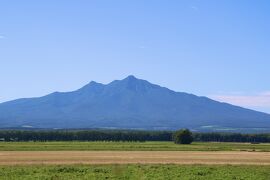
134,160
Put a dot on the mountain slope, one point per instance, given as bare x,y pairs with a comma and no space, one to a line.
129,103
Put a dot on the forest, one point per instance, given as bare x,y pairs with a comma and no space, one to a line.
124,135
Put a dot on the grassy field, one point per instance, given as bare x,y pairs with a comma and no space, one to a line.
131,171
156,172
130,146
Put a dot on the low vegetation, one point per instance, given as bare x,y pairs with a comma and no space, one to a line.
130,146
136,172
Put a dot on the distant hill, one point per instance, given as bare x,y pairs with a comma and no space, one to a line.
130,103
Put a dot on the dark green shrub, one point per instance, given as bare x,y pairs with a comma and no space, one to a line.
183,136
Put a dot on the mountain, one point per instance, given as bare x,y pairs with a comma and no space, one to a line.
127,103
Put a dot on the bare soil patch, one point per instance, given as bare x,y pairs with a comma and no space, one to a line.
133,157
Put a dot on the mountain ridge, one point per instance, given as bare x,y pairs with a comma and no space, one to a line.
127,103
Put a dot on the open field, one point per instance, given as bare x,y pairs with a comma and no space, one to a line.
130,146
134,160
133,157
155,172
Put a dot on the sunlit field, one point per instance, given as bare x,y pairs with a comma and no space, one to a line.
131,146
155,172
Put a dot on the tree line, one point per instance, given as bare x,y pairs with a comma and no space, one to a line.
85,135
232,137
124,135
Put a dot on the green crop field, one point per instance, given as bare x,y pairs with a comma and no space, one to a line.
155,172
133,171
130,146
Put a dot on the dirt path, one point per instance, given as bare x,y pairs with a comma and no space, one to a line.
129,157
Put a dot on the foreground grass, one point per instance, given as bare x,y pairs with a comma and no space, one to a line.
183,172
130,146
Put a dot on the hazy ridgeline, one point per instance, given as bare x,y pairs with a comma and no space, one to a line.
130,103
124,135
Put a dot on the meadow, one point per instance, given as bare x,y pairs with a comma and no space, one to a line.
148,160
131,146
155,172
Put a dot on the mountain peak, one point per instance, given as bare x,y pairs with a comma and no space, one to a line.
92,85
131,77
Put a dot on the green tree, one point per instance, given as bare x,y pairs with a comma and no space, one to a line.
183,136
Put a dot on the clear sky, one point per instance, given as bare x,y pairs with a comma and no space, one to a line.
219,49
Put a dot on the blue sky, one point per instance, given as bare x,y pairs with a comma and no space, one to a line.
219,49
